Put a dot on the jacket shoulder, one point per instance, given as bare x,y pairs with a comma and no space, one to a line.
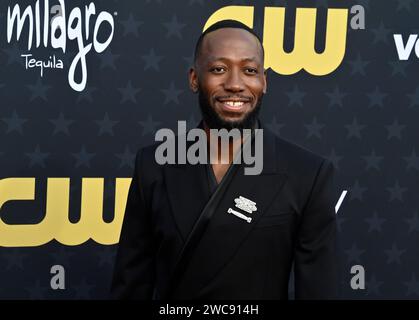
145,162
296,158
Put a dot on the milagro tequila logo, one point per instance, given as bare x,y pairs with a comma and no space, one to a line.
55,29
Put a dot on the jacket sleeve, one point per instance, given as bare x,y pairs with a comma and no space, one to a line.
134,267
316,260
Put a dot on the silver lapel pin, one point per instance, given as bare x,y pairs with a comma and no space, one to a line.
245,204
240,215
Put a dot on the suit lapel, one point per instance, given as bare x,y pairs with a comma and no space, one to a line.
188,192
187,188
226,232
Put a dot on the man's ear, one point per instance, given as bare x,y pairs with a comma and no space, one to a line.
193,79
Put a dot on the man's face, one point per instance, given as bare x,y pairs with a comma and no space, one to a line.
230,78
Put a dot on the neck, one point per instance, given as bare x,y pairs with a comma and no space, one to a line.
216,146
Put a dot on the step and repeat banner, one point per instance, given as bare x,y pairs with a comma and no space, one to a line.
85,84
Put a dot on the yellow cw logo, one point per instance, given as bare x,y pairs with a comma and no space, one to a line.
56,224
303,55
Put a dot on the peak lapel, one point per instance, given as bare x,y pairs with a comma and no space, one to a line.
226,232
188,193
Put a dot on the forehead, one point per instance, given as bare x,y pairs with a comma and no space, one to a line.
231,43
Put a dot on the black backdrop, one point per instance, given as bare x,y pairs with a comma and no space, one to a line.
362,116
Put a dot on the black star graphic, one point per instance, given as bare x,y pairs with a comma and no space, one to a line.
381,34
314,128
358,65
127,158
295,96
174,27
108,59
37,157
373,286
357,191
395,129
149,126
275,127
131,25
334,158
393,254
83,157
414,98
373,161
128,93
336,97
396,192
412,161
374,223
376,98
413,223
152,60
61,124
39,90
14,123
14,55
399,67
106,125
412,286
171,94
354,129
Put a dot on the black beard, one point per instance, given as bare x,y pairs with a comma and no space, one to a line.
214,121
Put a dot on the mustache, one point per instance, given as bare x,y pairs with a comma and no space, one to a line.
240,97
215,121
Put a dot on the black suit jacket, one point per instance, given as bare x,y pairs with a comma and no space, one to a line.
294,224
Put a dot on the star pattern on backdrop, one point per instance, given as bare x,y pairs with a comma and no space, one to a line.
129,93
106,125
14,123
61,124
171,94
131,25
362,117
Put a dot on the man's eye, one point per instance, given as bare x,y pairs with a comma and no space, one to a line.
218,69
251,70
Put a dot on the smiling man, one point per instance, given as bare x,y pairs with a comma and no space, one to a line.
209,231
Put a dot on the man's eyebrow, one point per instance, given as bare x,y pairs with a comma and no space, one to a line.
249,59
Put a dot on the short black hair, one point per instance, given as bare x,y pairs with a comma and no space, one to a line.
225,24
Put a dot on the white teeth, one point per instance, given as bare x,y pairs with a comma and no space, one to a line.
234,103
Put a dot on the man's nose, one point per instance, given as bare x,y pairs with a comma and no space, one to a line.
234,82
